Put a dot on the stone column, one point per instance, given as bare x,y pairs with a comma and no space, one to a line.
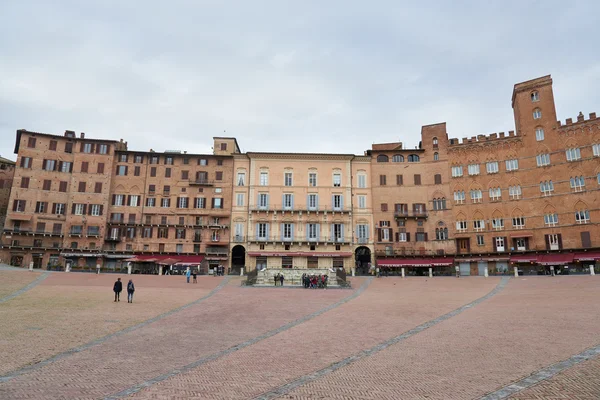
430,272
128,268
552,270
516,272
592,272
485,272
403,273
31,266
97,268
160,270
242,271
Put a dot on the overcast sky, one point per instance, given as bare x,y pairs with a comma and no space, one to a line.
313,76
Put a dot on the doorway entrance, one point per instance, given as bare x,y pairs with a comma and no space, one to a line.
362,258
238,259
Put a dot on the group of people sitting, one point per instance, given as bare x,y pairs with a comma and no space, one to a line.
314,281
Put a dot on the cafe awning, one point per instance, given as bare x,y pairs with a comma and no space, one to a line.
415,262
555,259
524,258
588,256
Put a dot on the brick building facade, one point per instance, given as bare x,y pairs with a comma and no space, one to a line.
527,198
7,172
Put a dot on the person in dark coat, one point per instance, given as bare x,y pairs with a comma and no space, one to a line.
118,288
281,279
276,278
130,290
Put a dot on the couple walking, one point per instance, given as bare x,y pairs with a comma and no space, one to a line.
118,288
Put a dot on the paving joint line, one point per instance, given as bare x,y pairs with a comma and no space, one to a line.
31,285
103,339
239,346
285,389
542,375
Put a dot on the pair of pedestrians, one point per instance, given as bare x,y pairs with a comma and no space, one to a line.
118,288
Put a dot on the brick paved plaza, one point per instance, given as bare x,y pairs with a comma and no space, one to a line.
62,336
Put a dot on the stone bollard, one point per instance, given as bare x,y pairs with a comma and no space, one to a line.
128,268
403,273
430,272
31,266
516,272
160,270
353,271
486,272
552,270
98,269
592,272
242,271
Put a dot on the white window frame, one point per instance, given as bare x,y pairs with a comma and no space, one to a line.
547,188
542,160
512,164
515,192
262,230
60,209
551,219
337,179
200,202
402,236
288,179
500,244
518,222
476,196
539,134
362,231
582,217
182,202
288,201
79,209
362,181
459,197
480,240
312,232
287,231
151,202
337,202
497,224
495,194
66,166
95,210
596,150
573,154
218,203
473,169
264,178
312,179
164,203
492,167
537,113
553,241
457,171
241,178
385,234
50,165
577,183
239,200
312,202
479,225
263,201
87,147
119,199
362,201
461,226
133,200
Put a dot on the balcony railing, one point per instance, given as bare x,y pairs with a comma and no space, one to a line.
280,207
217,250
411,214
201,182
304,239
238,239
113,239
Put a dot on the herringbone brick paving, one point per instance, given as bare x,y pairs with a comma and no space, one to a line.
389,306
68,310
231,316
581,382
533,323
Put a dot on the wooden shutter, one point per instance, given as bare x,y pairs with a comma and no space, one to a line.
408,236
586,241
417,179
81,147
114,199
43,163
101,168
426,237
85,209
73,208
84,166
379,234
547,239
15,202
53,208
101,209
399,180
494,244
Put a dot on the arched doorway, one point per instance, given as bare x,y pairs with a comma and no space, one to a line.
362,257
238,258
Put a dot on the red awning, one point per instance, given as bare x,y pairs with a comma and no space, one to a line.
555,259
298,254
415,262
167,259
588,256
524,258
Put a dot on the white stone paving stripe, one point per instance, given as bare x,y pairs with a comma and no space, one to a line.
33,284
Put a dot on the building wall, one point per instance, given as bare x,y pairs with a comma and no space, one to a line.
7,172
532,204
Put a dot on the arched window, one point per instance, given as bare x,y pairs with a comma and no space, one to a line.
413,158
382,158
439,203
441,233
436,156
398,158
535,96
435,142
537,113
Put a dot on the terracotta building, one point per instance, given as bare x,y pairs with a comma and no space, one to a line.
301,211
7,172
527,198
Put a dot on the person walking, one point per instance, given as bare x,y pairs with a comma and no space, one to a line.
130,290
118,288
276,278
188,273
194,277
281,278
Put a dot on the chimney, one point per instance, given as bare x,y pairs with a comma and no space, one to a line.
593,115
82,135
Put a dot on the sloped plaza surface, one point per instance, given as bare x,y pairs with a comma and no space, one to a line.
63,337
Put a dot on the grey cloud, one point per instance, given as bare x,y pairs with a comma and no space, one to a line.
286,76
